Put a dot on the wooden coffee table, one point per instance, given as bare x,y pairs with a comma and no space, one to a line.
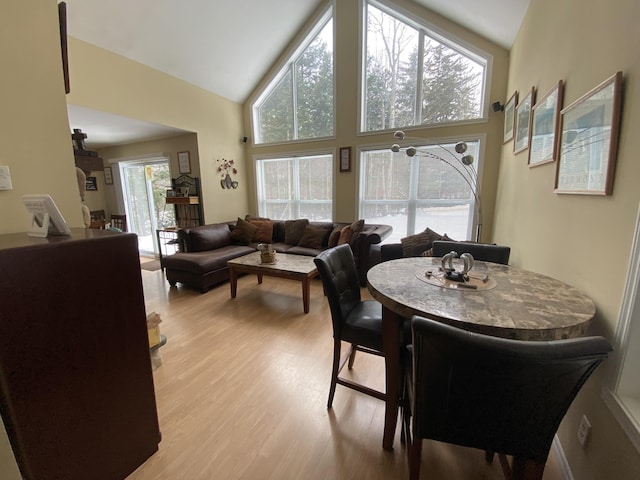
292,267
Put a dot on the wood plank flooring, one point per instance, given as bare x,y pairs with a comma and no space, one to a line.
243,386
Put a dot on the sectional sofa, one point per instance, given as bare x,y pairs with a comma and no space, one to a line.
201,261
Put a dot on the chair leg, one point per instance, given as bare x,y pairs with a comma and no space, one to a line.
334,371
414,452
352,357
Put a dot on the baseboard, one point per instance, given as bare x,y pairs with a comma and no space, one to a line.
563,465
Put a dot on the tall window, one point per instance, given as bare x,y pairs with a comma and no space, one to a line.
413,193
298,103
296,187
414,76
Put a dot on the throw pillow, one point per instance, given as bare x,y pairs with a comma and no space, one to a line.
250,217
265,231
334,237
243,232
293,230
414,245
349,233
313,237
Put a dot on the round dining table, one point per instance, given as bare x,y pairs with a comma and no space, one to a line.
500,300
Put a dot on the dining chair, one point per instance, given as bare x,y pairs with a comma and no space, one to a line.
495,394
119,221
484,252
356,321
97,215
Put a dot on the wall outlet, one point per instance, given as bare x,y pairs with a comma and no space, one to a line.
584,431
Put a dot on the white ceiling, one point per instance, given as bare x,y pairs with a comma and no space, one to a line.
225,46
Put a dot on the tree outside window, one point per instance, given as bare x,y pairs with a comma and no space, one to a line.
415,77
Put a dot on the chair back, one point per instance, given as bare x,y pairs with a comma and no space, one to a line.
495,394
337,269
119,221
484,252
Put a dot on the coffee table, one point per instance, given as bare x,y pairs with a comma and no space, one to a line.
289,266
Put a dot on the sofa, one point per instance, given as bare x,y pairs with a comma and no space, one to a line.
203,252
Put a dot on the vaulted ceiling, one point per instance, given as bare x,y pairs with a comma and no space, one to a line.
227,46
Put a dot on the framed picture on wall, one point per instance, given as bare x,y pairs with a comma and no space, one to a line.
92,184
544,127
345,159
589,130
184,162
509,117
108,176
523,122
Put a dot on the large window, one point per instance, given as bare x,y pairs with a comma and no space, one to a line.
298,103
413,193
415,76
296,187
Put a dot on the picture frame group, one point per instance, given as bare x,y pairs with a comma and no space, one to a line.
581,138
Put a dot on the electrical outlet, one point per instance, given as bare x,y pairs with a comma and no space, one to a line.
584,431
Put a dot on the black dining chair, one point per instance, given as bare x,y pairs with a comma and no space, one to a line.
484,252
356,321
495,394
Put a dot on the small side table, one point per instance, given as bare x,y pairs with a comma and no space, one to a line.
167,242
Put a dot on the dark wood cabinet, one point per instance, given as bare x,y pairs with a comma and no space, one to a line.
77,396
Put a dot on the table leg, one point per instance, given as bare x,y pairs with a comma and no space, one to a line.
306,283
233,281
391,325
259,275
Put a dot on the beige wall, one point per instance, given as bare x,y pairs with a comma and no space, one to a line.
583,240
108,82
169,146
35,140
346,19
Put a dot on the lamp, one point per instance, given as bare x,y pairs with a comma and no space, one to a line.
459,160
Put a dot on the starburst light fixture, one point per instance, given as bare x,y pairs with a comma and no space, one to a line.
459,160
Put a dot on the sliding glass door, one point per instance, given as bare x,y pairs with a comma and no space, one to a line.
144,186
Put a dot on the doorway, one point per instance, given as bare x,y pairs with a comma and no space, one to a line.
144,187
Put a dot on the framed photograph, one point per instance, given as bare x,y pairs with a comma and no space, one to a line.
523,122
509,117
108,176
184,162
345,159
545,123
92,184
589,140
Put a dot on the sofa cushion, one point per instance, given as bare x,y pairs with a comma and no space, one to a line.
209,237
205,262
243,232
314,237
278,231
293,230
264,234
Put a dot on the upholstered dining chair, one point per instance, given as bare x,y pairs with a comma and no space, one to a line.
356,321
494,394
485,252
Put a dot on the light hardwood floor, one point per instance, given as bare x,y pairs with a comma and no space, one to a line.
243,386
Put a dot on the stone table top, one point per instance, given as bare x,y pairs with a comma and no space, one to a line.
523,305
302,264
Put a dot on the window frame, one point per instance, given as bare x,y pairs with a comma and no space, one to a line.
479,165
626,408
259,185
425,28
286,65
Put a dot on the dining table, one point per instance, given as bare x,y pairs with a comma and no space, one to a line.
498,300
